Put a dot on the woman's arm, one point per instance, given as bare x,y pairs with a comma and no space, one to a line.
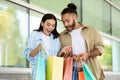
35,51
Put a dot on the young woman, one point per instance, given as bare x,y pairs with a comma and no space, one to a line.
46,37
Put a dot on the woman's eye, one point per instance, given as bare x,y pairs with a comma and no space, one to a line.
48,24
53,25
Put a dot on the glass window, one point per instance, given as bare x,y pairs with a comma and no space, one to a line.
116,2
35,19
60,26
54,6
96,13
106,58
13,34
115,56
115,22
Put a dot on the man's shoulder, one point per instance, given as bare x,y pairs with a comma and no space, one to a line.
63,32
87,27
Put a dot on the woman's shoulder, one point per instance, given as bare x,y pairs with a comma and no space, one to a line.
35,34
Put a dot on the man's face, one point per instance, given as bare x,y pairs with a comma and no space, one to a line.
68,21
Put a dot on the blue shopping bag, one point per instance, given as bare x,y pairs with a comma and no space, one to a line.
87,72
40,69
75,74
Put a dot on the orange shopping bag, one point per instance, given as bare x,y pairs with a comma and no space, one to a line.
68,67
81,75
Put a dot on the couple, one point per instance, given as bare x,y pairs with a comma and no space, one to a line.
83,41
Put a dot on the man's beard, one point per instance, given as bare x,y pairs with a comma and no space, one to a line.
71,27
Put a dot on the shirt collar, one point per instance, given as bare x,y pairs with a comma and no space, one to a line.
40,35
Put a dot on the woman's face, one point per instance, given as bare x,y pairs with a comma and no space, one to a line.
48,26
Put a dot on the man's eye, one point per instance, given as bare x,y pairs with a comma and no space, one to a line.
67,21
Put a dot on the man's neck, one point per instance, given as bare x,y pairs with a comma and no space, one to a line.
78,25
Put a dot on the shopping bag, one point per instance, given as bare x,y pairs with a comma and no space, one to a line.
54,70
68,67
87,72
40,69
81,75
75,74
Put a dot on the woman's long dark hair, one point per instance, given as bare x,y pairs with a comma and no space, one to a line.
44,18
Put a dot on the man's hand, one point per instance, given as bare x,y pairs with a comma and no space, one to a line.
65,51
84,56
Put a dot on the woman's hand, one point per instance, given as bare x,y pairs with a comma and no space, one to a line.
39,47
36,50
